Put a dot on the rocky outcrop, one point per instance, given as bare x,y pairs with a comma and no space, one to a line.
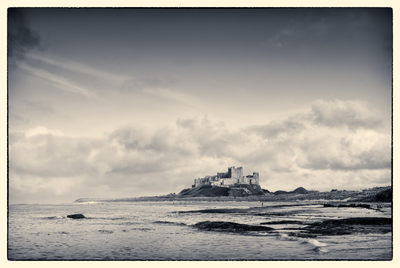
348,226
226,226
282,222
76,216
239,190
204,190
343,205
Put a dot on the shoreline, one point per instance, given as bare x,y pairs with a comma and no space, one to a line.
364,196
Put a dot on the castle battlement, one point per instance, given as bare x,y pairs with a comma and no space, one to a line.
226,179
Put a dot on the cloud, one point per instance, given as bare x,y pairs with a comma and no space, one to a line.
351,114
275,129
139,84
48,153
77,67
172,95
40,130
71,69
359,150
135,160
58,81
20,37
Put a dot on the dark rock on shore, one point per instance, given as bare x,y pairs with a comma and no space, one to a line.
327,205
170,223
217,210
76,216
349,226
224,226
282,222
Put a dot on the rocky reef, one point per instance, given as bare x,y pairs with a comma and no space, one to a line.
226,226
347,226
76,216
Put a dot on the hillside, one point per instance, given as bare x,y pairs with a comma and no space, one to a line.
214,191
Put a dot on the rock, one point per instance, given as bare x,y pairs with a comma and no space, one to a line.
204,190
282,222
352,205
226,226
170,223
76,216
349,226
216,210
237,190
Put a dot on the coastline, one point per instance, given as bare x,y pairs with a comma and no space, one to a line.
343,196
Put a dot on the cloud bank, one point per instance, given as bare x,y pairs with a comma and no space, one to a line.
333,144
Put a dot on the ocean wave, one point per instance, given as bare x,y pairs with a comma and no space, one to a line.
88,203
316,246
312,241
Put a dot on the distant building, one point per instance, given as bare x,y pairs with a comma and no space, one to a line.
226,179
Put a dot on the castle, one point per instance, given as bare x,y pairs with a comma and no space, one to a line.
227,179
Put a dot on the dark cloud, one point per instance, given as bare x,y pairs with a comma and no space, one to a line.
130,137
20,37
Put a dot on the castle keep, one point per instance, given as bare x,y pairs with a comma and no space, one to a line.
226,179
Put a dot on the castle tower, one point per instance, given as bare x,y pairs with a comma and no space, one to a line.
256,177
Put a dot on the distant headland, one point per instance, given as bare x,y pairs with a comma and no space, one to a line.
234,186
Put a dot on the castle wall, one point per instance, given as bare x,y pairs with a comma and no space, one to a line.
256,177
233,176
229,181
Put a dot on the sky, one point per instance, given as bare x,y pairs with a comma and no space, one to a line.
113,103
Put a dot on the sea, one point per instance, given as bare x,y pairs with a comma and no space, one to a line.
162,231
